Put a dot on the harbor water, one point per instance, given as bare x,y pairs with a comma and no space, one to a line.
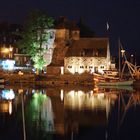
69,113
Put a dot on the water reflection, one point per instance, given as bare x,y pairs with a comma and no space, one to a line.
6,98
41,109
91,101
69,113
39,115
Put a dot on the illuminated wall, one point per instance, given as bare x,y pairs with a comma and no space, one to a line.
62,33
6,51
50,46
85,64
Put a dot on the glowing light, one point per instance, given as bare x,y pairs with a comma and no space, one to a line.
92,70
62,95
44,95
122,51
8,94
91,92
100,96
8,64
20,91
4,107
20,73
95,79
79,100
5,50
39,95
80,93
72,70
62,70
10,108
71,93
10,49
96,89
101,71
35,95
81,70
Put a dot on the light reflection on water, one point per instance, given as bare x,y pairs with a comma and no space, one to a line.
69,113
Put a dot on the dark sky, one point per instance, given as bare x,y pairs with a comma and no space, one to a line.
123,16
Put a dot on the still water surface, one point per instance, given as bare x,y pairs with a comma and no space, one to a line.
69,113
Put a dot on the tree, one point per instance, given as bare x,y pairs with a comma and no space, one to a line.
35,36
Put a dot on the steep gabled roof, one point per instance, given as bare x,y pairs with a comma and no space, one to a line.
89,46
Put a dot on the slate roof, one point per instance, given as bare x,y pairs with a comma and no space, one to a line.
88,47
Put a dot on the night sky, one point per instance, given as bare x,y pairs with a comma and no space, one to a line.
123,17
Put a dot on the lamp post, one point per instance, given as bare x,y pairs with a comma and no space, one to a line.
122,51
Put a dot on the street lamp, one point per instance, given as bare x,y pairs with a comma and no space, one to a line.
122,51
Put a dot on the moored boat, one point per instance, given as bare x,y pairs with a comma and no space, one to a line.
128,88
111,81
117,83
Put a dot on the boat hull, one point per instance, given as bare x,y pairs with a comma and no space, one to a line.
116,83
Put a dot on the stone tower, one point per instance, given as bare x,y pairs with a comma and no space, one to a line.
65,32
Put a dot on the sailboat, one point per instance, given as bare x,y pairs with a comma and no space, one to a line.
107,80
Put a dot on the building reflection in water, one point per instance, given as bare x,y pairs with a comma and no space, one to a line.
6,98
40,112
66,111
59,111
87,109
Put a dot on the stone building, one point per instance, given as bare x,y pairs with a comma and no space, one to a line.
65,32
73,54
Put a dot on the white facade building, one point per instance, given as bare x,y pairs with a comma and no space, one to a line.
87,55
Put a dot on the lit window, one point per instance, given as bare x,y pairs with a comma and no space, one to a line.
69,67
102,67
81,67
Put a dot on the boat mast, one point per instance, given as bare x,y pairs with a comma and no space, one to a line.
119,57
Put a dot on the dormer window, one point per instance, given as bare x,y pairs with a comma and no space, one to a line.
82,53
69,67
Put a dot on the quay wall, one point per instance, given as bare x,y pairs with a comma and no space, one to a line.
43,80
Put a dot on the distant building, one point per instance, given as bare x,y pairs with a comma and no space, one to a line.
9,35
